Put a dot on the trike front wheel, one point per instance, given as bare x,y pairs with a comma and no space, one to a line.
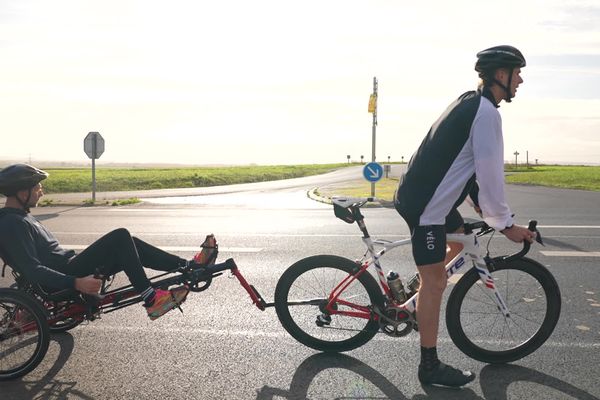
302,296
481,331
24,334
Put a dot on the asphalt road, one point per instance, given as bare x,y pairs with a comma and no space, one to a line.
222,347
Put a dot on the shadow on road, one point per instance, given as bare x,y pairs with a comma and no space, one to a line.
561,244
43,217
47,387
355,388
494,381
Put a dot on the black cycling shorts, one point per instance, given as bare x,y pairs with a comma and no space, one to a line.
429,242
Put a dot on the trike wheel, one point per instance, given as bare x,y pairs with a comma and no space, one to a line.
302,294
24,334
481,331
51,309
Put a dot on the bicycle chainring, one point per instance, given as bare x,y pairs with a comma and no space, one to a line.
396,322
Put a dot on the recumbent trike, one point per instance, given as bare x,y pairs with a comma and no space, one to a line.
29,313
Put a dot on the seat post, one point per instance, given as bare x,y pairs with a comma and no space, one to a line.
360,220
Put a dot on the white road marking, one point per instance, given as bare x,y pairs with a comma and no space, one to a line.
238,234
256,333
569,226
570,253
455,278
181,248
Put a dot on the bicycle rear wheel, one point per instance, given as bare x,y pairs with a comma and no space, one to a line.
24,335
303,291
481,331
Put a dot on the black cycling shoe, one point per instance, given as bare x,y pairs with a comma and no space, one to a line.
445,375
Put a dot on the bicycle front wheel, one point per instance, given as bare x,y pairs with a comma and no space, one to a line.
481,331
24,335
303,292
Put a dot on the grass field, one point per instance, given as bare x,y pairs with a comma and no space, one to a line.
72,180
568,177
65,180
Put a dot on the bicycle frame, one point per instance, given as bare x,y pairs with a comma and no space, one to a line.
90,308
470,252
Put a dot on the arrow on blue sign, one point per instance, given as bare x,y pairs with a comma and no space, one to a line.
373,172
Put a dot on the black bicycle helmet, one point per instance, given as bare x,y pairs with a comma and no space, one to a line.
20,177
489,60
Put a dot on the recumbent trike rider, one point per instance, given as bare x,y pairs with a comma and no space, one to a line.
29,310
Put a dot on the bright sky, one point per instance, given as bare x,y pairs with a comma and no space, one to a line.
237,81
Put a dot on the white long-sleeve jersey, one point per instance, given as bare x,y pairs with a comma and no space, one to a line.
464,147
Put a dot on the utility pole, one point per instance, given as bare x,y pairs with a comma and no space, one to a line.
373,109
516,153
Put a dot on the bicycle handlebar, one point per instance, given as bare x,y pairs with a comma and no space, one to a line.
469,227
485,228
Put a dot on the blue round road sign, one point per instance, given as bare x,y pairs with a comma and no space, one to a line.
373,172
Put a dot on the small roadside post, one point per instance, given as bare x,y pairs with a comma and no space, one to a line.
373,110
93,146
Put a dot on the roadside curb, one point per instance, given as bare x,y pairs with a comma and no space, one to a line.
380,203
312,194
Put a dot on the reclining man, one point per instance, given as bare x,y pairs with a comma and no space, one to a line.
40,258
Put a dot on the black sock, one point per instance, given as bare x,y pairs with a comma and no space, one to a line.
429,358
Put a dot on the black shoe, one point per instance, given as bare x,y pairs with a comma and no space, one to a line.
445,375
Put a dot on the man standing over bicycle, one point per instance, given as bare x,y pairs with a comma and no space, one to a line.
463,151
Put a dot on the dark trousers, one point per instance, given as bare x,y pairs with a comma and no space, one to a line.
119,251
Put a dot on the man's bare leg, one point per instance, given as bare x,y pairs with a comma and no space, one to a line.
433,283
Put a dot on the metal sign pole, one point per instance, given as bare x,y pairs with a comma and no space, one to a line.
93,146
374,131
94,152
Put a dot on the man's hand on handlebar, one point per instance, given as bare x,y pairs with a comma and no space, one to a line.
518,233
88,285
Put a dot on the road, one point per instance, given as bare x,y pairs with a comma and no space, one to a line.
222,347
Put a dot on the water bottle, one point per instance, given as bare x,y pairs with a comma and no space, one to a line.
396,286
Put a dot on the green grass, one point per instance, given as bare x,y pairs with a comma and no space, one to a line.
384,189
72,180
125,202
568,177
562,176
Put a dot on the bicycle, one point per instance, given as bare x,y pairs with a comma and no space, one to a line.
29,314
332,304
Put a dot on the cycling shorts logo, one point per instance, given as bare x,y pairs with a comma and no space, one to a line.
430,241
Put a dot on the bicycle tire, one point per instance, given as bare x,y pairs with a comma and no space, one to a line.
24,334
344,333
524,283
58,326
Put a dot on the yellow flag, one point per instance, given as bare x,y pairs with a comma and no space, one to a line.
372,103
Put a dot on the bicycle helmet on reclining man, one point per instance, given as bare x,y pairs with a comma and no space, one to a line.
18,177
